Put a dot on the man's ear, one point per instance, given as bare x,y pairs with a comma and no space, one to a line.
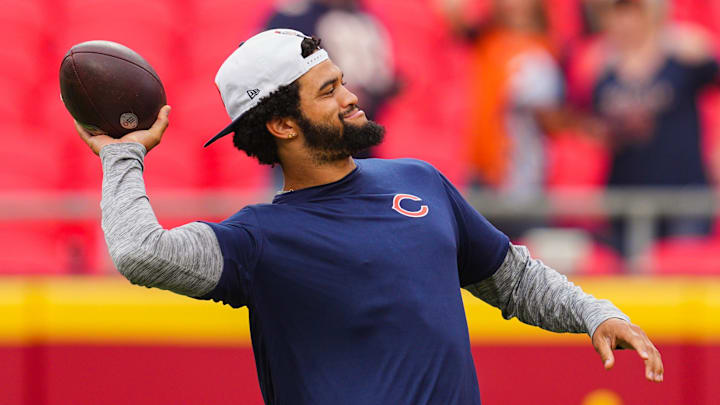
283,128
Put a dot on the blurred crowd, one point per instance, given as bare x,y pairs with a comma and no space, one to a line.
633,82
519,99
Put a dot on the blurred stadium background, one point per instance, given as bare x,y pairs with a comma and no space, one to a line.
73,332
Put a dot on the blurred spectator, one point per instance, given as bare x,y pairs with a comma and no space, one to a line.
354,39
647,94
587,53
515,83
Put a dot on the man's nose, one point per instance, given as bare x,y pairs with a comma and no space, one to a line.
347,97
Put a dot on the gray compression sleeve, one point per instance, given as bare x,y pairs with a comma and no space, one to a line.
537,295
186,260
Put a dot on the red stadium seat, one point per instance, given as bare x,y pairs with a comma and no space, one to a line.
23,60
80,169
31,159
705,13
710,113
151,28
49,109
174,163
575,160
50,247
15,101
197,115
209,49
601,260
23,28
23,69
686,255
31,248
217,28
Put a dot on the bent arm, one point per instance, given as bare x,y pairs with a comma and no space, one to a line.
525,288
186,260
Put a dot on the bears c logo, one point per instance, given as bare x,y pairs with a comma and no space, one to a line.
412,214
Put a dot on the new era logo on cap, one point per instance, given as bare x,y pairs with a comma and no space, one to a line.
252,93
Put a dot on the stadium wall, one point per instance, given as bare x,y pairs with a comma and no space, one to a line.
98,340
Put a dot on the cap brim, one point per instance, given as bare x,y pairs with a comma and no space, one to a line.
227,130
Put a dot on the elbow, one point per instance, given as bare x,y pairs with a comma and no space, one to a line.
130,263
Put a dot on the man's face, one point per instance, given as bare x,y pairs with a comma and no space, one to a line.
333,125
629,23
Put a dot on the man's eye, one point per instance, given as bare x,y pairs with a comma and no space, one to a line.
331,91
344,83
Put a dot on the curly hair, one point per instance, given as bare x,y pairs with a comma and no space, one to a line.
251,133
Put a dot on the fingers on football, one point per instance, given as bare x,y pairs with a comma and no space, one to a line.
161,124
82,132
86,137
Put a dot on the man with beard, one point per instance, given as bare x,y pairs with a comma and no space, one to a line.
352,275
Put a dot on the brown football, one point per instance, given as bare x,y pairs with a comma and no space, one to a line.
109,88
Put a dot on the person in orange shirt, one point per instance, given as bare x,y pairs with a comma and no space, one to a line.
515,80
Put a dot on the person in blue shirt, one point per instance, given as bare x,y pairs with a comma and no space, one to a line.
352,274
648,95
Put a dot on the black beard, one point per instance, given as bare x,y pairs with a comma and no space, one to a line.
330,144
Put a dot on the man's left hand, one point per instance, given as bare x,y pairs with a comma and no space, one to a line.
618,334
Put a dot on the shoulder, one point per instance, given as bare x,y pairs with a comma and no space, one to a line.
408,165
688,43
240,235
401,172
246,216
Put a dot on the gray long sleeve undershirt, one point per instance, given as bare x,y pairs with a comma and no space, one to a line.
525,288
187,259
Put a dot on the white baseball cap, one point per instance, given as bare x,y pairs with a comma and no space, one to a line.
261,65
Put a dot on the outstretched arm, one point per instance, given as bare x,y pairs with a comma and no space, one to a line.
186,260
537,295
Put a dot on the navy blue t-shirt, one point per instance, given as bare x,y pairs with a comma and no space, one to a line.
353,287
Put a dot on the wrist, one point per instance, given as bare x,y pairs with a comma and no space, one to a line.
122,147
594,328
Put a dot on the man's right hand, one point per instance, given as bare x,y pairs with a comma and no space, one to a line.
149,138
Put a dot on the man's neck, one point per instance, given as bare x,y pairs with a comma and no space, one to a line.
308,173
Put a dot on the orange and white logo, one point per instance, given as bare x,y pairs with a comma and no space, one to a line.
412,214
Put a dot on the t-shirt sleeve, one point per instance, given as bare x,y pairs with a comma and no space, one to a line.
481,247
240,242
